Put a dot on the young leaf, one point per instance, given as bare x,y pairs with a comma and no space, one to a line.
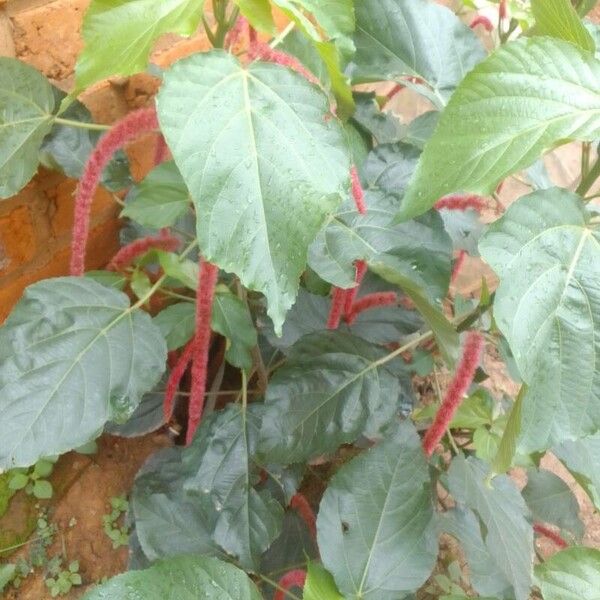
551,501
26,105
42,489
487,130
336,17
258,13
508,444
177,324
376,527
413,38
223,471
118,36
320,584
572,574
383,126
582,458
73,355
547,256
183,577
558,19
330,391
261,130
503,513
159,199
168,521
484,573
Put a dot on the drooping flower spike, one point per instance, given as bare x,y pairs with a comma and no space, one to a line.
548,533
483,21
126,130
370,301
175,377
127,254
461,381
300,504
295,578
459,202
207,282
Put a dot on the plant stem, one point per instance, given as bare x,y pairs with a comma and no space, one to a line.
589,179
277,40
81,124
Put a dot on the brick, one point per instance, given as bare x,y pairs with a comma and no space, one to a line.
17,239
102,246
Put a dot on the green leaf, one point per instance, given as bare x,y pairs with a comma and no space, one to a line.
42,489
26,105
177,323
258,13
547,255
329,392
558,19
508,444
108,279
485,575
503,514
168,521
572,574
376,527
232,319
183,270
223,471
551,501
7,574
140,283
413,38
183,577
383,126
336,17
159,199
262,164
421,129
394,271
118,35
487,132
475,411
73,355
43,468
18,481
320,585
584,6
68,148
582,458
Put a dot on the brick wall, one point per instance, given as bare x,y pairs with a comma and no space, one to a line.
35,224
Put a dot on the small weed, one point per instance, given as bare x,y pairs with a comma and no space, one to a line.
33,480
63,579
118,533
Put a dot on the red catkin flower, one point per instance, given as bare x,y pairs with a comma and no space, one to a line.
458,265
461,203
235,33
161,150
124,131
548,533
395,90
300,504
361,270
357,192
175,377
207,282
338,301
295,578
460,384
502,10
261,51
483,21
370,301
127,254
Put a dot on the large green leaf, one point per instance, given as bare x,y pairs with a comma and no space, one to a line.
179,578
572,574
528,97
547,256
330,391
582,458
118,35
159,199
258,13
336,17
558,18
320,584
73,355
551,500
485,575
263,165
383,126
223,471
26,105
413,38
376,528
167,520
503,515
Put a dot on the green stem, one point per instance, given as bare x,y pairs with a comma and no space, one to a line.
81,124
277,40
589,179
